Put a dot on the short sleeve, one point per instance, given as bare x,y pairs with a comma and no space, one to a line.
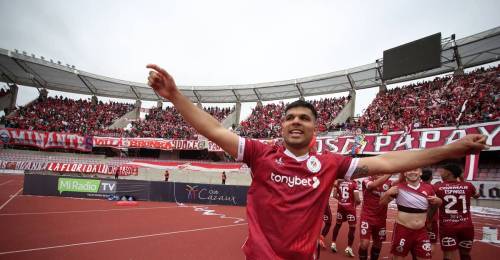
347,167
249,150
431,190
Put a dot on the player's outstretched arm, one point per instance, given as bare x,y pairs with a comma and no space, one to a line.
401,161
164,85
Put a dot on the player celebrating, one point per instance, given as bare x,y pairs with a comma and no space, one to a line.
291,183
327,223
373,216
432,214
456,230
347,195
413,198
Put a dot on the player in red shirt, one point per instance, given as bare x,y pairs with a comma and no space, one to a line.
291,184
327,223
347,196
456,229
413,198
373,216
433,215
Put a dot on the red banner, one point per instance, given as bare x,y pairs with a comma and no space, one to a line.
155,143
91,168
363,144
32,166
45,140
77,167
417,139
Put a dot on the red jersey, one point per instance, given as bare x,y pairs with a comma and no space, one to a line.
287,198
413,199
345,193
455,210
371,210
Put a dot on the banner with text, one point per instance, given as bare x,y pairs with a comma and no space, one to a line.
45,140
91,168
417,139
155,143
355,144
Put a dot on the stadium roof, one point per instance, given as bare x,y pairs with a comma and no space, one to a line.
21,69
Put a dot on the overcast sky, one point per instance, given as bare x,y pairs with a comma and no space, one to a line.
230,42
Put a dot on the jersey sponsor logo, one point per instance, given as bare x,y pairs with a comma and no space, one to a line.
448,241
313,164
295,181
351,217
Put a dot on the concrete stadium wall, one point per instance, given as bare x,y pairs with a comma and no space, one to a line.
242,178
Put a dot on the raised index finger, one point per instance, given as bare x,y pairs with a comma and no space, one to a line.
158,69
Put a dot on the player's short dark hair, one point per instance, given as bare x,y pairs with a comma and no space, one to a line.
426,174
454,168
302,103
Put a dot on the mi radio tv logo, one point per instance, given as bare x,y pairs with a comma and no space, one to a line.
85,185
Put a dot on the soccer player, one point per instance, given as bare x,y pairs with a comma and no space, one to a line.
432,216
413,198
373,216
347,196
456,229
327,223
291,184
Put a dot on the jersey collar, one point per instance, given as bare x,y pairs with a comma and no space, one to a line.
297,158
413,187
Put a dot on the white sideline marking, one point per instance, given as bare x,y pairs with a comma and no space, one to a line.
5,182
1,207
82,211
117,239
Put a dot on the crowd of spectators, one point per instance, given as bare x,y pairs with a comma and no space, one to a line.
444,101
58,114
168,123
265,120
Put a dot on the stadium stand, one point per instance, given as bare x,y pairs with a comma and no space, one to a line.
264,121
436,103
167,123
58,114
